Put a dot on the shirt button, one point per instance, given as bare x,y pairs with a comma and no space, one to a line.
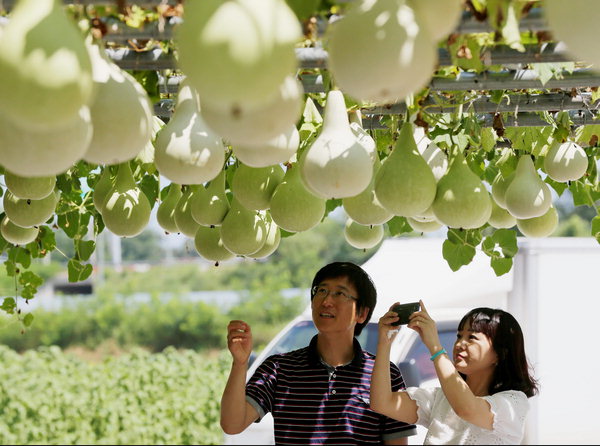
333,392
333,376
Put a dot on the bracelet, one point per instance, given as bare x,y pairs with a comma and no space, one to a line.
438,353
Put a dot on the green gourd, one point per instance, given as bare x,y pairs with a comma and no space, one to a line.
423,224
541,226
462,200
210,206
292,206
26,213
208,244
438,17
34,188
365,208
362,236
165,214
527,196
501,218
272,240
183,211
45,67
243,231
126,209
15,234
274,151
405,184
102,187
565,162
499,186
254,186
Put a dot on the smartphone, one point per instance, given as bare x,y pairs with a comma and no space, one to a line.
404,311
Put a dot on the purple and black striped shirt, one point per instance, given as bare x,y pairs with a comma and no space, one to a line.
313,403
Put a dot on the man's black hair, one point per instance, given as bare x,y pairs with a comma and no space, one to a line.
365,288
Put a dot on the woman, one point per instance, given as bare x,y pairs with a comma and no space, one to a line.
483,393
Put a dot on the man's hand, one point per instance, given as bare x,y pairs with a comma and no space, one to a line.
239,341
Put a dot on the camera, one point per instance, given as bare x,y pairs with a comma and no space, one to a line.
404,311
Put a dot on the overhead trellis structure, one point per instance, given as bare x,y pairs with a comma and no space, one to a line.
238,158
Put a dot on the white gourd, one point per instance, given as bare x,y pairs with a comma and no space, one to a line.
565,162
236,52
26,213
261,122
34,188
122,113
44,66
527,196
541,226
279,149
336,164
439,17
362,236
15,234
187,150
378,52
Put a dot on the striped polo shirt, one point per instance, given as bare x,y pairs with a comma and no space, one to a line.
313,403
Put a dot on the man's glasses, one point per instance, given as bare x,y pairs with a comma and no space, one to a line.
320,293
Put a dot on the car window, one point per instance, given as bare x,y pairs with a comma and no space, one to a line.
421,354
299,336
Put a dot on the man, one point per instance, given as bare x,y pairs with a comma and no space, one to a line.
320,393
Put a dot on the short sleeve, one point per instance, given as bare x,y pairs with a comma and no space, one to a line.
392,428
510,409
424,397
261,385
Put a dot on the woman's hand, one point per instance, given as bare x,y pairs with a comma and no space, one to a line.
387,331
425,326
239,341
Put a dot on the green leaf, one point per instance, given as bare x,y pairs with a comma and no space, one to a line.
398,225
30,278
596,228
77,271
501,265
581,194
150,188
331,205
20,255
457,255
84,248
28,319
9,305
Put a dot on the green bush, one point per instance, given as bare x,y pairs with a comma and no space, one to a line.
172,397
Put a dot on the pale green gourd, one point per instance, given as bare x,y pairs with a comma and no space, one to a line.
501,218
362,236
259,123
243,231
34,188
439,17
336,164
272,240
275,151
462,200
248,46
126,209
542,226
405,184
527,196
378,52
210,206
44,66
254,186
102,187
187,150
499,186
26,213
292,206
183,210
365,208
165,214
15,234
122,113
208,244
566,161
423,224
34,153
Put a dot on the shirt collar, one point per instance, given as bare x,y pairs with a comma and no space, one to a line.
315,359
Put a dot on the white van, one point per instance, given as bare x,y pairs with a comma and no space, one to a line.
408,352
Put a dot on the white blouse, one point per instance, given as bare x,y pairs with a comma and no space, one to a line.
445,427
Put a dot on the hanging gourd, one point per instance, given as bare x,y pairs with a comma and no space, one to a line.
165,214
210,206
187,151
378,51
527,196
122,113
336,165
566,161
275,151
34,188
